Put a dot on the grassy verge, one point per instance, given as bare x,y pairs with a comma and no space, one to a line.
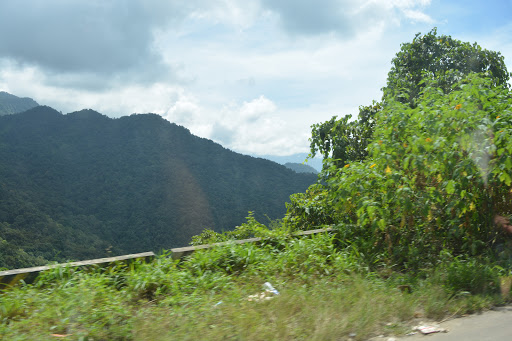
325,294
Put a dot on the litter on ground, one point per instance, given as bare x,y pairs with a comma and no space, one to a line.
430,328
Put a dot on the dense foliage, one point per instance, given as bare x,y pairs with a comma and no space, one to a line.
342,140
434,174
83,185
432,177
325,293
444,59
427,57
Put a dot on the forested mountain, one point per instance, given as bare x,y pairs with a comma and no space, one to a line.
315,162
300,168
84,185
10,104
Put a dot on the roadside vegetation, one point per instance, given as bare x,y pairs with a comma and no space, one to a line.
417,191
326,292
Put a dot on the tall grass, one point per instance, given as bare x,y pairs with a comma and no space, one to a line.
325,293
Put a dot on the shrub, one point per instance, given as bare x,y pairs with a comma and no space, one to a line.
435,177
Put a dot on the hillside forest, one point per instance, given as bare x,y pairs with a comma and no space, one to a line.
10,104
82,186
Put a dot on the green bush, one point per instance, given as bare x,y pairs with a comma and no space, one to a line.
435,177
251,229
470,275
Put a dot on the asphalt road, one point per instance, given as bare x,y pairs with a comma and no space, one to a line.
493,325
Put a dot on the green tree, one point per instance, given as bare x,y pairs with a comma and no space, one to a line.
432,56
435,176
342,140
427,57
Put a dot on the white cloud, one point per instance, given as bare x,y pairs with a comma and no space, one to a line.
254,110
117,101
92,36
345,18
187,111
253,75
418,16
235,13
256,127
289,85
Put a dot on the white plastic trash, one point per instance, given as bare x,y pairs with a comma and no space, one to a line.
430,328
270,288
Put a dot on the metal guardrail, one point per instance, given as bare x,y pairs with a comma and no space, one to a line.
181,252
28,275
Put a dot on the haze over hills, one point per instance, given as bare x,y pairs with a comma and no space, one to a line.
83,185
316,162
300,168
10,104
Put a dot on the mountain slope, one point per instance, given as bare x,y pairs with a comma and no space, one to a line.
124,185
300,168
315,162
10,104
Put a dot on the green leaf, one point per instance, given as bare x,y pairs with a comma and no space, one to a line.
450,187
504,177
508,163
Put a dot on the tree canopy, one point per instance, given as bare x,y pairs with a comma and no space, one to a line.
444,58
342,140
425,176
427,57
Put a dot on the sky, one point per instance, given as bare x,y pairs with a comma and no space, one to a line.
252,75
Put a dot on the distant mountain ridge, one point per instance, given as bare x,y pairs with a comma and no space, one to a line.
84,185
10,104
300,168
300,158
